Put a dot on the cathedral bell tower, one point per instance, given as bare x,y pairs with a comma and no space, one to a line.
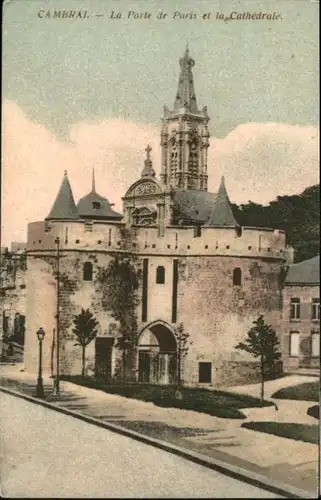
185,136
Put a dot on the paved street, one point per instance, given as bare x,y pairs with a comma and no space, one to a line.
48,454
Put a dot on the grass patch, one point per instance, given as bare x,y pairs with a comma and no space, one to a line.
314,411
159,430
215,403
299,432
309,391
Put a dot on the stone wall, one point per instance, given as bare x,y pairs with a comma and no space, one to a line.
216,313
223,312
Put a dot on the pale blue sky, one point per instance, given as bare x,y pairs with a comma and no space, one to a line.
79,94
63,71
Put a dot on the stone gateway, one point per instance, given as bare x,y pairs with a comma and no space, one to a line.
194,265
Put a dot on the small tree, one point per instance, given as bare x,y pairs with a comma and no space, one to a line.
262,342
183,345
85,330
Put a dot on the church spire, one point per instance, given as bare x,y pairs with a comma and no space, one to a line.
148,170
185,97
64,206
185,136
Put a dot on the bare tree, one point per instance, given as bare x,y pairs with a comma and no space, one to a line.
183,345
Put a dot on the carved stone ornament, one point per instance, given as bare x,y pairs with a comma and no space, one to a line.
146,188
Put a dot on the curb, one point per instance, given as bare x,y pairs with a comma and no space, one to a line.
235,472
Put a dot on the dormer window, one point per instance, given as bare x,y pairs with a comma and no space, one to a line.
96,205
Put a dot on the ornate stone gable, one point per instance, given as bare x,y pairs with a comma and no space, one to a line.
144,187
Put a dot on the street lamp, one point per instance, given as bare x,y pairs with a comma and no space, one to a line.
40,392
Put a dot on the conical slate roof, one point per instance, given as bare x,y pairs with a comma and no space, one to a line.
222,214
64,206
94,206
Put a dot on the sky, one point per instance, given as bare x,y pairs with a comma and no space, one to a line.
79,94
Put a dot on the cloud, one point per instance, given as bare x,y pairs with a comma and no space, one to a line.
259,161
264,160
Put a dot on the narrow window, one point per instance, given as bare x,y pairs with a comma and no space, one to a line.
294,344
315,309
145,290
160,275
197,231
295,309
205,373
237,277
174,294
88,271
315,344
238,231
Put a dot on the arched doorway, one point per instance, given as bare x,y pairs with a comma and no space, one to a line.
157,358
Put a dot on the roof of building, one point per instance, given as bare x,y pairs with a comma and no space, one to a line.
64,206
193,206
221,214
94,206
305,272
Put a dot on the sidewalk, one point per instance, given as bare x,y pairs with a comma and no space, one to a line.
292,462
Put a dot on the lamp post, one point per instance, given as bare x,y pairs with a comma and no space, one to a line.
40,392
57,379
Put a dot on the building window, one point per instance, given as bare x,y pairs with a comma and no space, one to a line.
145,290
294,344
315,344
238,231
197,231
175,288
88,271
237,277
295,309
205,373
160,275
96,205
315,309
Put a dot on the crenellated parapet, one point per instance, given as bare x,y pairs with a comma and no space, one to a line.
176,241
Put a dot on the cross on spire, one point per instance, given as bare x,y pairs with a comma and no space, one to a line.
148,150
148,170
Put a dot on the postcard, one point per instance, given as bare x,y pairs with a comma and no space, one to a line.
160,249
